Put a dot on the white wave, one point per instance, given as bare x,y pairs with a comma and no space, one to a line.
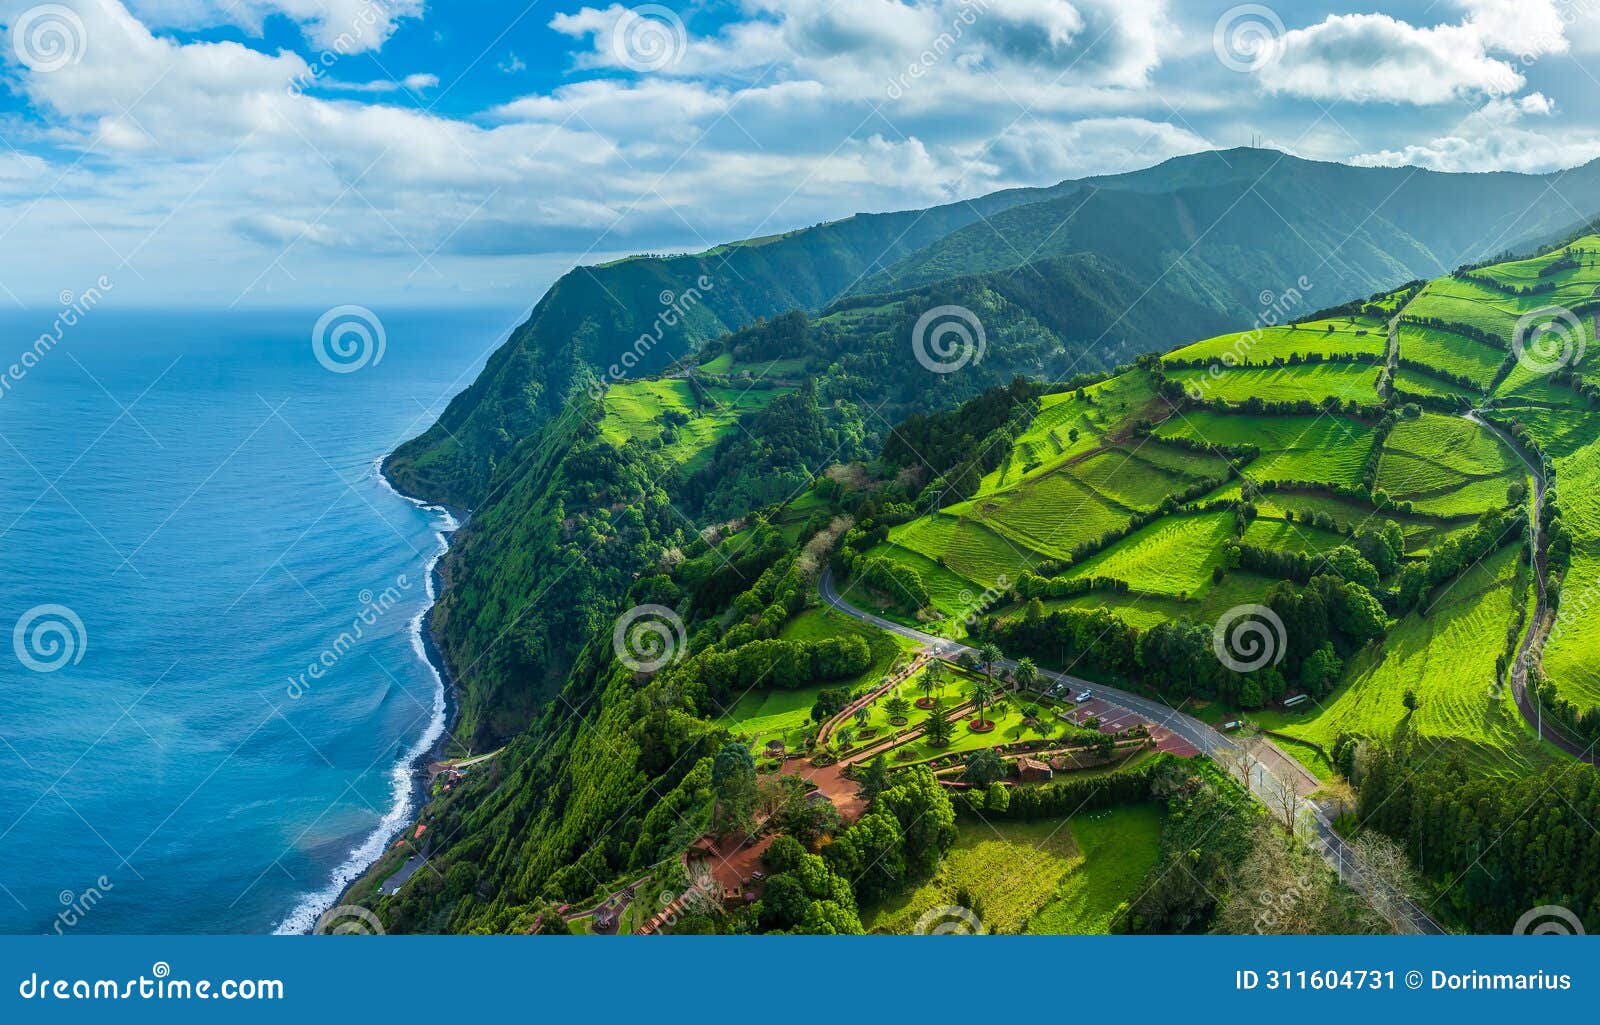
312,906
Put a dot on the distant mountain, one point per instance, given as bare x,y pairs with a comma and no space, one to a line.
1205,233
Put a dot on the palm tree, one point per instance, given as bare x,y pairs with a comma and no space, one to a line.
1026,674
982,696
862,715
989,654
932,680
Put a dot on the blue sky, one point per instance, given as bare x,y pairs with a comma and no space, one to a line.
246,153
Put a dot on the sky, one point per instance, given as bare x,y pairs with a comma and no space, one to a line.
238,154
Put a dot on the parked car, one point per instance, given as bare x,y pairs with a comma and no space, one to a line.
1083,695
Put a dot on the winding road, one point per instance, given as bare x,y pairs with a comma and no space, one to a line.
1527,703
1265,784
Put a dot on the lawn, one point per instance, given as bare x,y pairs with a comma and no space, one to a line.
769,713
1052,877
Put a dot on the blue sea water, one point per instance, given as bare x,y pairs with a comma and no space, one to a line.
190,517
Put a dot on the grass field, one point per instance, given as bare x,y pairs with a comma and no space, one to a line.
1452,353
1446,653
1447,466
1173,556
1056,877
1414,383
1050,514
1312,381
1292,537
635,411
1320,449
1361,334
1573,441
965,546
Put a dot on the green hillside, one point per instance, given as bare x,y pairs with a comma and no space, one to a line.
1121,471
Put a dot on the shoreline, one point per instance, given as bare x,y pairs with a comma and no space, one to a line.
409,774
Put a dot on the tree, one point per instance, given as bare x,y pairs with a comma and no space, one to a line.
937,730
989,654
1321,669
897,707
1409,699
1027,673
983,693
733,786
932,679
862,715
997,798
875,778
983,768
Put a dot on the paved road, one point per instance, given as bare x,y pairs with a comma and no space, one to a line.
1527,703
1264,785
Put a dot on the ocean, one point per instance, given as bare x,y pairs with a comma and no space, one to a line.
210,610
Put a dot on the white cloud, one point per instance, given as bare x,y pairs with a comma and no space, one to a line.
351,26
1494,138
1365,58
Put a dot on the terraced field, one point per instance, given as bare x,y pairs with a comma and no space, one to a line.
1455,354
964,546
1173,556
1320,449
1292,537
1412,382
1445,653
1447,466
1572,440
1310,382
1321,337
